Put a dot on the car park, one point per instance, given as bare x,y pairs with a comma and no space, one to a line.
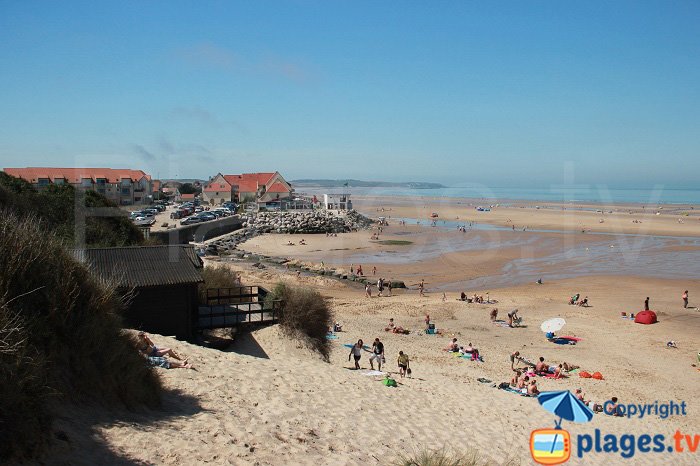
206,216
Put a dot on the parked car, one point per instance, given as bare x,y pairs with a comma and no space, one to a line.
206,216
191,221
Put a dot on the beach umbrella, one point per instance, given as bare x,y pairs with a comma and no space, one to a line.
552,325
565,405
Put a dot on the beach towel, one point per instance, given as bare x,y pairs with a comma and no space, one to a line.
502,324
514,390
350,345
373,373
563,341
571,338
330,336
574,371
551,376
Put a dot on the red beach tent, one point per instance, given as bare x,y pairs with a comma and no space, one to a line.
645,317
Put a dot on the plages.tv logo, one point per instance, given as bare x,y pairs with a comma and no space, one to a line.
553,446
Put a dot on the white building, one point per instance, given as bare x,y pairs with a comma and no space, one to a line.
337,202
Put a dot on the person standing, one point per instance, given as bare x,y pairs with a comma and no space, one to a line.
374,270
403,364
356,352
388,287
685,299
646,304
377,354
368,290
380,287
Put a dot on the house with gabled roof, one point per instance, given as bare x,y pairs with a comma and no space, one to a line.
251,187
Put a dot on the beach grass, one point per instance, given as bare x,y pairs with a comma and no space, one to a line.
443,457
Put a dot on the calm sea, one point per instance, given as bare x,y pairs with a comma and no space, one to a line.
602,194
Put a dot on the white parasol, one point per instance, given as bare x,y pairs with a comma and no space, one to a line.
552,325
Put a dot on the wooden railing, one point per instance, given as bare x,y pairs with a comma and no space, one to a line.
230,307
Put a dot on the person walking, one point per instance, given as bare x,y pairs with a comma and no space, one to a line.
377,354
403,364
368,290
685,299
356,352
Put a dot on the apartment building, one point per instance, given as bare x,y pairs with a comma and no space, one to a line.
122,186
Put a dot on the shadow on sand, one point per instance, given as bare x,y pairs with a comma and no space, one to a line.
76,437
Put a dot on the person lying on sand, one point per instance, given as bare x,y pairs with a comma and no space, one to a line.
165,363
569,367
149,348
289,243
557,372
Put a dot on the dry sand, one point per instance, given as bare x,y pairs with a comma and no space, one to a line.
270,400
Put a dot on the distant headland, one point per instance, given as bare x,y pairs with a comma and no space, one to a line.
366,184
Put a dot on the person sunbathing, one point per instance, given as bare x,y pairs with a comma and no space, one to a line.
580,397
453,347
165,363
471,350
541,367
463,296
557,372
612,408
390,326
569,367
516,377
532,389
523,383
150,349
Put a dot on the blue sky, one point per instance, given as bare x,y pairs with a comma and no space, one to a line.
455,92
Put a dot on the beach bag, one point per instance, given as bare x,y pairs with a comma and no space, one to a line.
597,376
389,382
584,375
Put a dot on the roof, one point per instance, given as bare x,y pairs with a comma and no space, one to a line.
186,196
278,187
156,185
144,266
217,186
250,182
75,175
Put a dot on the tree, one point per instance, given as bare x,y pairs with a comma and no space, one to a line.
188,188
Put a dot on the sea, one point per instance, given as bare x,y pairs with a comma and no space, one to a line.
595,194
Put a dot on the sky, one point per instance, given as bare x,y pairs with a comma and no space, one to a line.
524,93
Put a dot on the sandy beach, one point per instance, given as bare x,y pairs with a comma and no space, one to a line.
270,400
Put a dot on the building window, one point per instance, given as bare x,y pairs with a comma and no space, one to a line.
59,181
126,191
43,182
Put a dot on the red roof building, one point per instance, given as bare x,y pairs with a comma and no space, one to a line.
261,187
123,186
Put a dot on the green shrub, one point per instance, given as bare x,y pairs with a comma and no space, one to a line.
61,338
56,207
217,276
305,313
442,457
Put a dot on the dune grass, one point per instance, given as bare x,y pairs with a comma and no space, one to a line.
305,313
61,339
443,457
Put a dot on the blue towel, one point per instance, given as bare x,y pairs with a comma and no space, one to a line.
330,336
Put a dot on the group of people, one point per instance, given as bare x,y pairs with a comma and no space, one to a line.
359,270
301,242
524,375
475,298
469,350
381,285
576,301
378,355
